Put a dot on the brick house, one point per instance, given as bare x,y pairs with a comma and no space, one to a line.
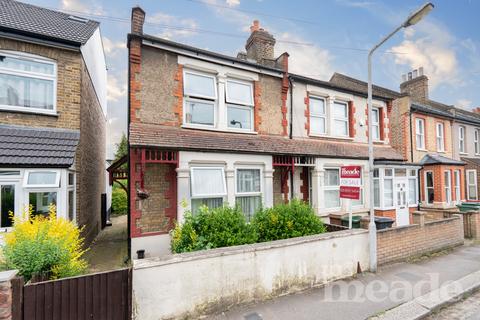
424,131
52,114
209,129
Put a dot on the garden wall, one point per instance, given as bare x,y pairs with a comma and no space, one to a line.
189,284
396,244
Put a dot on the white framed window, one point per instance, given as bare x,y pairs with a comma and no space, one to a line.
472,185
41,201
7,203
376,188
27,83
440,137
359,202
476,141
461,139
200,85
448,186
71,196
429,187
240,117
318,115
208,187
388,188
200,112
412,187
240,104
456,186
375,124
331,188
41,179
340,119
420,133
248,190
239,92
200,90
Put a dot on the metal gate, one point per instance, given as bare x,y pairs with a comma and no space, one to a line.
98,296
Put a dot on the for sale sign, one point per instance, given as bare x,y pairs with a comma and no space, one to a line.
350,182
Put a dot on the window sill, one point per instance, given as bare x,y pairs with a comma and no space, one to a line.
326,136
378,141
441,151
186,126
423,150
28,111
463,153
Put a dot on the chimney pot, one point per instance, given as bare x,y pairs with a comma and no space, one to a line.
420,71
415,73
255,26
415,84
410,76
260,45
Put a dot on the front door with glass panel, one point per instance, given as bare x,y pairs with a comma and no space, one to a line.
401,203
7,203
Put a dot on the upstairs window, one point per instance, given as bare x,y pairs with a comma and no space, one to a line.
420,133
440,137
200,92
476,141
376,124
27,83
340,119
239,98
461,139
318,115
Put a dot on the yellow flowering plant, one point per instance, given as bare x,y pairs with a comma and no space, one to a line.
44,246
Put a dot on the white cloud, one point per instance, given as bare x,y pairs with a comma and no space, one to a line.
431,46
82,6
355,4
464,104
112,48
233,3
116,88
182,27
308,60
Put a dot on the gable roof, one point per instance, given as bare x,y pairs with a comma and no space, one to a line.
350,83
29,20
151,135
37,147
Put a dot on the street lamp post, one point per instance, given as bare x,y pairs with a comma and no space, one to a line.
414,18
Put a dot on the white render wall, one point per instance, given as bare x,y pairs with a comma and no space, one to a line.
469,141
186,285
229,162
300,91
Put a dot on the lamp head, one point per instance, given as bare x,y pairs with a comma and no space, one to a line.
418,15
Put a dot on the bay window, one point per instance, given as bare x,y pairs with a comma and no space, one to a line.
200,92
41,201
376,124
412,187
429,187
318,115
440,137
248,191
472,185
7,204
420,133
340,119
239,98
376,188
332,188
448,186
71,205
388,188
208,187
42,179
27,83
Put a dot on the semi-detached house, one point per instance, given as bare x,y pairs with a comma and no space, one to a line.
209,129
52,115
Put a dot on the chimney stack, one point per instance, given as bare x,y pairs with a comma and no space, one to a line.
260,45
415,84
138,18
476,110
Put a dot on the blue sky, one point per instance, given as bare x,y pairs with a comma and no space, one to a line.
328,36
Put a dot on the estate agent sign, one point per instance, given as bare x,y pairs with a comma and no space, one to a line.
350,182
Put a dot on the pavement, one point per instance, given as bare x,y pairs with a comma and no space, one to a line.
110,248
466,309
369,295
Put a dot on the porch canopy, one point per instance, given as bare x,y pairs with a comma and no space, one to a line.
118,172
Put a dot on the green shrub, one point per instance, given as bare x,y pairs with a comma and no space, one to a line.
44,247
295,219
119,201
212,228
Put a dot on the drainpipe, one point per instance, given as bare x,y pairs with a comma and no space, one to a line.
411,158
290,81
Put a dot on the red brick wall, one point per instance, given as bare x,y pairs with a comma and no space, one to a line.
304,180
351,119
398,244
307,113
439,182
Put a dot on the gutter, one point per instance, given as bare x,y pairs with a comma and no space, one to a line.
42,40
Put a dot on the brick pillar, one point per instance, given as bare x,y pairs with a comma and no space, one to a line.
6,304
419,218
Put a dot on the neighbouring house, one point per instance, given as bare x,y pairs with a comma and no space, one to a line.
423,130
52,114
209,129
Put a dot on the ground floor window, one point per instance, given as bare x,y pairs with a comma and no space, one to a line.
412,187
472,185
448,186
394,183
456,186
7,204
331,188
429,187
41,201
211,203
248,191
208,187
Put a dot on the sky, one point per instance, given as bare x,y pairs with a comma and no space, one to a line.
321,37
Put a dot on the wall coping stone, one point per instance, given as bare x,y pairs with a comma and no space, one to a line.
247,248
8,275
